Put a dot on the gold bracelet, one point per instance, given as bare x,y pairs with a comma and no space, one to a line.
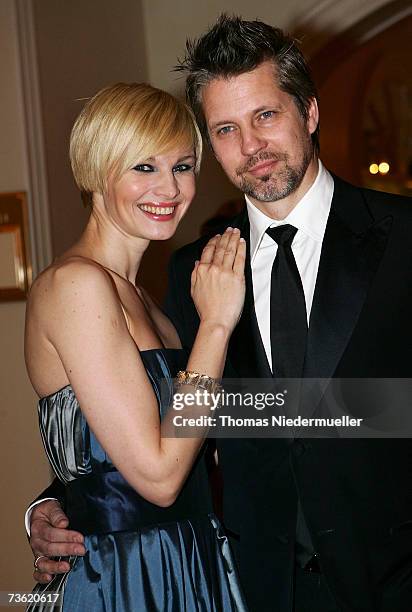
198,381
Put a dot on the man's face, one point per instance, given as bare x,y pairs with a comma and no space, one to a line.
258,135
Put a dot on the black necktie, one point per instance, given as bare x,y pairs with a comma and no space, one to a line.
288,335
288,323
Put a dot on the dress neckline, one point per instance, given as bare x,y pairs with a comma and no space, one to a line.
68,386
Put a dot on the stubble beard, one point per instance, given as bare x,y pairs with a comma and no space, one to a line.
280,184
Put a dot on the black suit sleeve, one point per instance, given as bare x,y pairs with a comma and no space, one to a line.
55,489
178,304
172,303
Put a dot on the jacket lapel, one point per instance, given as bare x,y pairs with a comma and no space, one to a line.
352,248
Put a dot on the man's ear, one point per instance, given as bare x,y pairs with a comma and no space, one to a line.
313,115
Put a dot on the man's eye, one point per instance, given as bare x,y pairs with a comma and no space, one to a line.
267,114
182,168
144,168
226,129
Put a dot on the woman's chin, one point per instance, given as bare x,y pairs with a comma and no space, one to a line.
163,231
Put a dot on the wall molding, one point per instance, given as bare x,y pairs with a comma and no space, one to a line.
38,201
326,49
328,20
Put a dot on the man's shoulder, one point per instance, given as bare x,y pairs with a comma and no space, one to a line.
390,203
379,202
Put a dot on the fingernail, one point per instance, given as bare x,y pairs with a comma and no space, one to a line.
217,236
229,229
236,230
242,240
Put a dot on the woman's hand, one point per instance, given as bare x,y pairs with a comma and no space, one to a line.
218,280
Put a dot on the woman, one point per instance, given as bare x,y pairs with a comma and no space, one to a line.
97,348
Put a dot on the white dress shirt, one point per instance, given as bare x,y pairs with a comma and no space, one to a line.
309,216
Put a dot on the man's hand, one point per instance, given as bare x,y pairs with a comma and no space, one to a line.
50,537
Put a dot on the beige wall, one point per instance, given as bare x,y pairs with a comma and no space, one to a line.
82,46
23,467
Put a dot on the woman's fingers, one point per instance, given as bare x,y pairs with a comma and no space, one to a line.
221,247
231,249
240,258
218,285
194,273
209,250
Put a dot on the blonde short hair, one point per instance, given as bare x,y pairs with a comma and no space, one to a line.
125,124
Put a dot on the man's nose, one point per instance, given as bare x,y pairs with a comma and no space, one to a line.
252,142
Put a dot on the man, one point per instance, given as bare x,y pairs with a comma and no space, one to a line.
319,525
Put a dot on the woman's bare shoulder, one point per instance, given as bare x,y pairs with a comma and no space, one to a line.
74,275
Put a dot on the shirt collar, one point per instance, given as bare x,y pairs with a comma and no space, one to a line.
310,214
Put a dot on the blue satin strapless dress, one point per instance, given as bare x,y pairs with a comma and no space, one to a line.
140,557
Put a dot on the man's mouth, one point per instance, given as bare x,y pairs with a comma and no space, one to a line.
263,168
261,165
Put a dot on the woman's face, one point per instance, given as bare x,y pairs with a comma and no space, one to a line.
149,200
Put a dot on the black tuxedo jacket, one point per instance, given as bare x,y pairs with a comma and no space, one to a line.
356,494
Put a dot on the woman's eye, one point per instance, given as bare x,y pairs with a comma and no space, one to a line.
144,168
182,168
